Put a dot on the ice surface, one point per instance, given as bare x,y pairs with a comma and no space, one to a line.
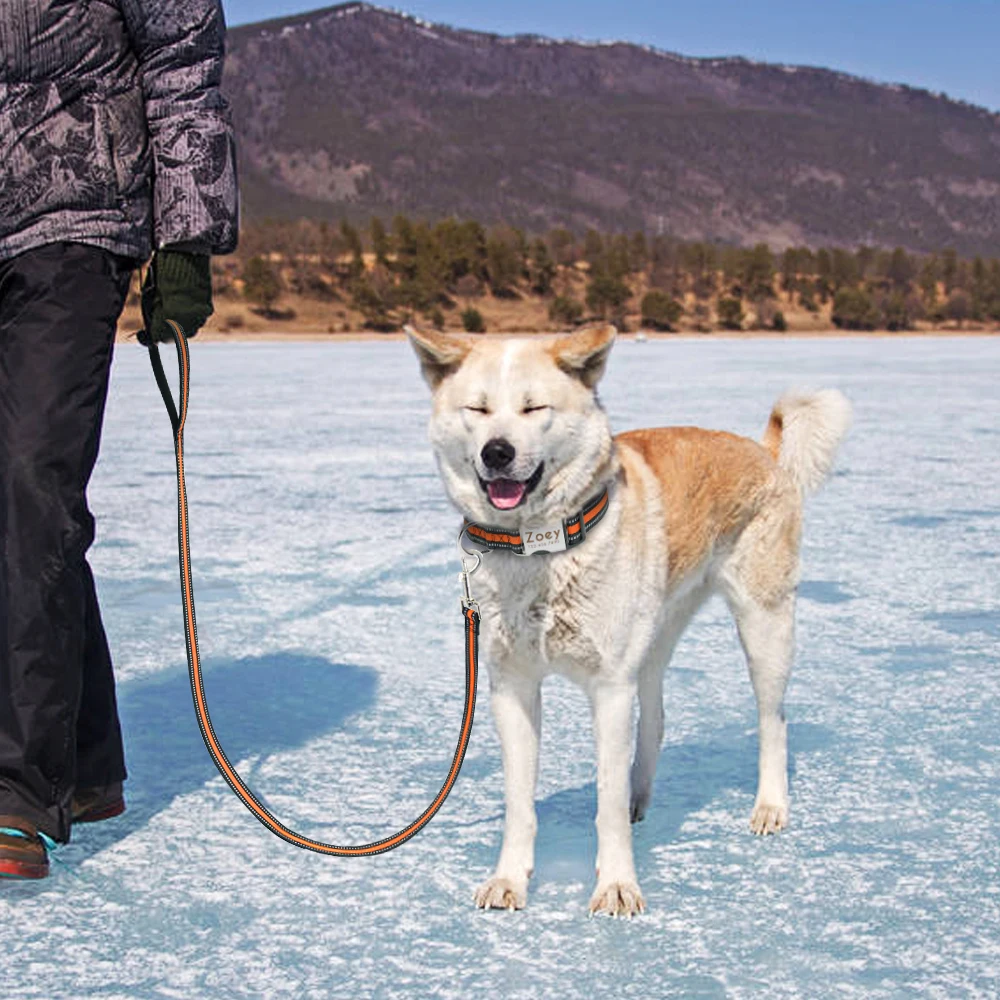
327,594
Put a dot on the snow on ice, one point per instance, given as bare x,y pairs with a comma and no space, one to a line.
326,581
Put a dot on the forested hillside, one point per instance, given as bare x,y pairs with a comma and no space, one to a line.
358,111
459,274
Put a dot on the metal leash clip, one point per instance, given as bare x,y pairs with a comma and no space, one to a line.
468,601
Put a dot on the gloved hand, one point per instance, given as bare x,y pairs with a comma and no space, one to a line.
178,286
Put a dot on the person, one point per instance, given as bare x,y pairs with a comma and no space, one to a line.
115,145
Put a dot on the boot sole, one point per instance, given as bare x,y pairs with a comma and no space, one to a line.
105,812
22,869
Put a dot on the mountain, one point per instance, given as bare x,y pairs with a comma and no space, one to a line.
357,110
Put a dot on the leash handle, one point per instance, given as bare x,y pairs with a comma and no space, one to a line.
470,615
176,419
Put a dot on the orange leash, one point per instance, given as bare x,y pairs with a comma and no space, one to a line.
470,613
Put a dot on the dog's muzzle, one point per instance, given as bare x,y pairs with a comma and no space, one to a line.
506,494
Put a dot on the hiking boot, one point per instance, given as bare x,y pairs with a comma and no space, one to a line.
91,805
23,849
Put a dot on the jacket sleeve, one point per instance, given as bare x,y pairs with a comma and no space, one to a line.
180,48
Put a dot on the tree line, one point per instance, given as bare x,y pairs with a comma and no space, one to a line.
414,269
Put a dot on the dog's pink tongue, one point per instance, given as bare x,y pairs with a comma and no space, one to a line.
505,494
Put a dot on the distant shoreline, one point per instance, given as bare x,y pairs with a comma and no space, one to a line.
362,336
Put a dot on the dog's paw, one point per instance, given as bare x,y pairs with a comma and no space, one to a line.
617,899
501,894
767,818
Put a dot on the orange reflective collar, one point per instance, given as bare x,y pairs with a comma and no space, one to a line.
569,533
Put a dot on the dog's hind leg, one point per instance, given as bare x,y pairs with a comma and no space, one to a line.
767,634
649,738
758,582
517,710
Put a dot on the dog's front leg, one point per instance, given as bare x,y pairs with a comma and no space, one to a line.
617,891
517,710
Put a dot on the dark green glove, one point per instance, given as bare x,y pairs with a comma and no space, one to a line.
178,286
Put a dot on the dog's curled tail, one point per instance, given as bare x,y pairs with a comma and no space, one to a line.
804,432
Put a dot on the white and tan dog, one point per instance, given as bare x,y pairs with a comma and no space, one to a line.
522,442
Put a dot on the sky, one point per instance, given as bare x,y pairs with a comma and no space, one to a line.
942,45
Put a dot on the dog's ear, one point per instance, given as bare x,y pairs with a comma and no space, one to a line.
584,354
440,354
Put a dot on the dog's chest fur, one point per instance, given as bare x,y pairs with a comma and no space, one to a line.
564,612
539,612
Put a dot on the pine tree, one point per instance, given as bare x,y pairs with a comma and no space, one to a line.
901,270
993,304
790,270
756,272
702,263
593,247
958,308
261,284
854,309
730,314
462,246
928,282
422,280
617,259
980,289
380,241
353,243
404,241
606,293
565,310
824,274
949,270
373,296
896,313
638,252
563,246
866,260
844,272
504,262
661,311
472,321
541,268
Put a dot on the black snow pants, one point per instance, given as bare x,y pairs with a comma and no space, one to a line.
59,727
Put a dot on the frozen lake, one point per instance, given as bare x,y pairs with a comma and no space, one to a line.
325,577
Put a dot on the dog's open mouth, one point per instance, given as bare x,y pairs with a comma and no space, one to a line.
506,494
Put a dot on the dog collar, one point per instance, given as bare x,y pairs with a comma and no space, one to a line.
553,537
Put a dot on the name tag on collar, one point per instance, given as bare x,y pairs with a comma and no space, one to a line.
550,538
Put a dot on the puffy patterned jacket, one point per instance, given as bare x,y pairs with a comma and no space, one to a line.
112,127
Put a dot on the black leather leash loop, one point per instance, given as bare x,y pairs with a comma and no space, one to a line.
164,385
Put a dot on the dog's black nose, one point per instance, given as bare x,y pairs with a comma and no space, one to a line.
497,454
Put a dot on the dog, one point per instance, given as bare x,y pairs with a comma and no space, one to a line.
524,449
